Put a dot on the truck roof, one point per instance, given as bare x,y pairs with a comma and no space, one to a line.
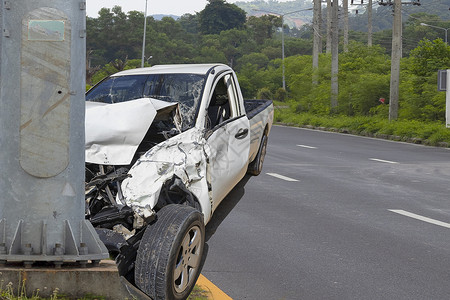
202,69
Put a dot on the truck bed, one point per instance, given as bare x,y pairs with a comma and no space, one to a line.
253,107
260,114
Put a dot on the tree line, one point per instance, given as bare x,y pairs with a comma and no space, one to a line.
221,33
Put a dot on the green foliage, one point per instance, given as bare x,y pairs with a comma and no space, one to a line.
219,16
429,133
280,95
263,27
429,57
260,60
364,79
264,93
420,99
253,49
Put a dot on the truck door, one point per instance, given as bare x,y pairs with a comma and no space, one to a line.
229,138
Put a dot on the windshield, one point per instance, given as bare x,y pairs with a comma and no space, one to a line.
186,89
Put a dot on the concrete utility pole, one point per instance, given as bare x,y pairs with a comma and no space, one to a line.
447,100
42,84
369,19
369,24
329,13
334,56
395,60
145,33
345,7
317,41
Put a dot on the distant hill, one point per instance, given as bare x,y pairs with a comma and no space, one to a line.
260,7
382,15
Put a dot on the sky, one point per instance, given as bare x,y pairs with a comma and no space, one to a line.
174,7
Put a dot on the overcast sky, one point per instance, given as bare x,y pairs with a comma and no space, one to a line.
174,7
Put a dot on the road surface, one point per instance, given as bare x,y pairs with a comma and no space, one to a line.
336,216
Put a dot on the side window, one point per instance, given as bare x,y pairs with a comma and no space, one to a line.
219,109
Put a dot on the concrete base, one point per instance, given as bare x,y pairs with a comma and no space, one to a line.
71,281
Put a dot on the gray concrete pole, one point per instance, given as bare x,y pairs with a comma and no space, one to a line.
334,56
282,51
329,14
447,101
345,7
144,37
320,27
43,53
395,60
369,24
316,41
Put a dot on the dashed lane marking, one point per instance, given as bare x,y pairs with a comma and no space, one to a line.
383,161
282,177
306,146
214,293
419,217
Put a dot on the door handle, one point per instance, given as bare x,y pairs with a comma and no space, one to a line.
242,133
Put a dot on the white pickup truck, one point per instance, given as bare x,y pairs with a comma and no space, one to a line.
164,146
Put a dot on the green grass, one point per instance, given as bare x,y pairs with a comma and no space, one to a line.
428,133
10,292
198,294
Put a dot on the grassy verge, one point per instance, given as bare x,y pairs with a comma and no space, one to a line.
9,292
433,134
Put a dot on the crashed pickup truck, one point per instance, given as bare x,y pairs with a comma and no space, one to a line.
164,146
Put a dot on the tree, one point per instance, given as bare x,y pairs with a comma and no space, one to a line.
420,98
218,15
429,57
263,27
190,23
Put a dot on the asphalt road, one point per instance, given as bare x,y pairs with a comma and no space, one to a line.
366,219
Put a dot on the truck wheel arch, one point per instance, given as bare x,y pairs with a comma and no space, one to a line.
255,167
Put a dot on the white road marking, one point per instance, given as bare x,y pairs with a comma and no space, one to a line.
421,218
383,161
282,177
308,147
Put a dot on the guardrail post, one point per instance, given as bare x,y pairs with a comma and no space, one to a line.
42,84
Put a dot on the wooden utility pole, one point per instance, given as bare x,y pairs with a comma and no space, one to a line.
395,60
345,6
334,56
317,42
329,10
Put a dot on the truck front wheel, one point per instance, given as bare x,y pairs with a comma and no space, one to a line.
169,257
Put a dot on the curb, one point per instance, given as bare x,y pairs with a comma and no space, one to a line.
212,291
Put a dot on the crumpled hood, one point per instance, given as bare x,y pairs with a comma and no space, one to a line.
114,131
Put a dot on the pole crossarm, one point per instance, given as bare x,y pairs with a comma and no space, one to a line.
391,3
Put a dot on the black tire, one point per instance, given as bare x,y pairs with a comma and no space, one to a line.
170,254
255,167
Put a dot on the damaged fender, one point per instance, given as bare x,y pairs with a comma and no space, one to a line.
183,157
